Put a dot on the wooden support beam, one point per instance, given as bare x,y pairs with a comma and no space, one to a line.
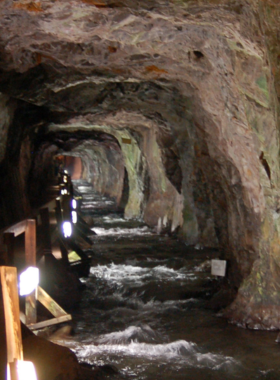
53,307
18,228
50,303
30,308
30,260
11,312
50,322
30,243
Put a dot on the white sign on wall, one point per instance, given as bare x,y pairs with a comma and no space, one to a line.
218,267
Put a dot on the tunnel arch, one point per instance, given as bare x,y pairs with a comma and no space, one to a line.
189,72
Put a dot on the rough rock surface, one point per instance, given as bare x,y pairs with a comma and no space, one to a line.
188,92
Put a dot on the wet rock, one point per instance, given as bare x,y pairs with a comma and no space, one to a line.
61,333
221,299
50,360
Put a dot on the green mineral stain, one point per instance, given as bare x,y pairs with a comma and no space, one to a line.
255,98
262,83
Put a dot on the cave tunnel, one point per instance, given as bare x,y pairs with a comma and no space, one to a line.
167,111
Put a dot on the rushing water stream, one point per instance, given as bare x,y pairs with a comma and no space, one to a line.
145,311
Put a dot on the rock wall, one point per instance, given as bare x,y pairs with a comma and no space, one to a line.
189,90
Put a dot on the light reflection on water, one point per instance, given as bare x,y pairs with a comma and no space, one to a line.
122,231
145,311
150,338
123,273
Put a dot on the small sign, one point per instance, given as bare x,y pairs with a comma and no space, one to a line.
126,141
218,267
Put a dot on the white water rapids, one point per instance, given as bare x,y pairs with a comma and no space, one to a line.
145,312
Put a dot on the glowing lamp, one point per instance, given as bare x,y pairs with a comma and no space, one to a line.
25,371
74,217
74,204
67,229
28,281
65,178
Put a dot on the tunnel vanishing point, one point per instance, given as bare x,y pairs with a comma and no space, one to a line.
171,107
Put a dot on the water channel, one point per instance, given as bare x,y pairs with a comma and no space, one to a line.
145,309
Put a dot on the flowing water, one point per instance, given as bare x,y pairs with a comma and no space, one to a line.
144,309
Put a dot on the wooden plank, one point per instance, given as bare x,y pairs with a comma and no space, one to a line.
50,303
18,228
13,370
50,322
30,260
30,308
11,312
30,243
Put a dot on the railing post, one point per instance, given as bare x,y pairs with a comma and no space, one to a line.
30,260
63,249
12,322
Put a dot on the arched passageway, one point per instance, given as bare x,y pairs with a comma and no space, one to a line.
171,109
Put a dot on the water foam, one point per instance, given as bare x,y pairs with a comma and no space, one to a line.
186,353
143,333
118,231
121,272
180,348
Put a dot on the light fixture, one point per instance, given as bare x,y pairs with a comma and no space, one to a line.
67,229
74,204
28,281
65,178
74,217
25,371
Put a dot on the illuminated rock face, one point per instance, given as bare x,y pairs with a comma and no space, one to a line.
186,93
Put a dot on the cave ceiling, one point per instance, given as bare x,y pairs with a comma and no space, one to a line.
97,57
